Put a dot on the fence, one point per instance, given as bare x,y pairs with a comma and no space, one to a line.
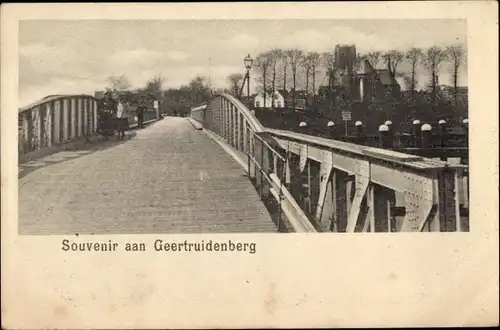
56,120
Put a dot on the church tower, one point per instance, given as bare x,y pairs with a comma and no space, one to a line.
345,64
345,57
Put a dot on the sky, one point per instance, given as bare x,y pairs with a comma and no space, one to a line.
78,56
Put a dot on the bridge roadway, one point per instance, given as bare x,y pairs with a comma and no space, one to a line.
168,178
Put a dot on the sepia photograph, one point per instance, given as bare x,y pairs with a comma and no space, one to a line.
227,126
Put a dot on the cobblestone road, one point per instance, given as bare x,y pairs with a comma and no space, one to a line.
169,178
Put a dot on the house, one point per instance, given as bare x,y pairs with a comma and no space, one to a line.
284,93
300,99
278,101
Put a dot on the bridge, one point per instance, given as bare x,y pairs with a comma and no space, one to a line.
220,171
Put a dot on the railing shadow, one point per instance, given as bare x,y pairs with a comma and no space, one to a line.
73,151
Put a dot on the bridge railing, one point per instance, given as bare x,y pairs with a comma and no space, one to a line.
227,118
56,120
334,186
346,187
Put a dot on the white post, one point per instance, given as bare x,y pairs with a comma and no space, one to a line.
57,121
73,118
49,128
94,112
80,116
85,117
66,123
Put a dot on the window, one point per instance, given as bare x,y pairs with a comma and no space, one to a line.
257,104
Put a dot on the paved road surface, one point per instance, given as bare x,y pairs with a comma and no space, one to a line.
169,178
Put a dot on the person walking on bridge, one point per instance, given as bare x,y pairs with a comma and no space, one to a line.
140,112
121,119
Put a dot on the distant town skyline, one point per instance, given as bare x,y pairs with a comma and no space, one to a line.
77,56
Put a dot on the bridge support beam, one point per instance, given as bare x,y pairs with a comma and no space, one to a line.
234,125
261,154
384,201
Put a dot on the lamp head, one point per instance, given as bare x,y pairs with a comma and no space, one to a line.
383,128
426,127
248,62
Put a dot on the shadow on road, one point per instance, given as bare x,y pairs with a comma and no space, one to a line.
73,152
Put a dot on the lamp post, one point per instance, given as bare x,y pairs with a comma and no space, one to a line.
248,65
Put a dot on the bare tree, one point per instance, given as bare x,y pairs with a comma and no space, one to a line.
284,66
274,56
315,60
119,83
414,55
352,75
456,53
294,56
329,63
432,58
393,58
373,58
263,63
357,61
155,85
306,65
199,90
234,81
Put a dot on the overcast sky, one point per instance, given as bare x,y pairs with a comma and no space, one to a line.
78,56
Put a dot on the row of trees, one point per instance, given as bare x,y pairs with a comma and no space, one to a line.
174,100
276,68
120,83
181,100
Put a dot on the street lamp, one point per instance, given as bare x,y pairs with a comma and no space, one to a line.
248,65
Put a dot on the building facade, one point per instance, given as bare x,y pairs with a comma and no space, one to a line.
278,101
